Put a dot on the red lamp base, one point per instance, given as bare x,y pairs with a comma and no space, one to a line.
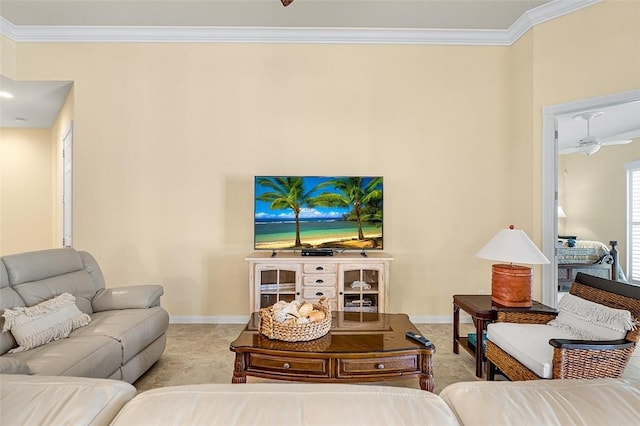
511,285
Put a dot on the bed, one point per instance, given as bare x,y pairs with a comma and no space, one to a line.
590,257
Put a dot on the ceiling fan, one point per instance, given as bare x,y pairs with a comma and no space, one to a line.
589,145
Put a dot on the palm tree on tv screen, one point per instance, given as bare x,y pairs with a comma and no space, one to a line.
366,199
289,193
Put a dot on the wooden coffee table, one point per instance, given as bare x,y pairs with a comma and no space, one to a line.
360,347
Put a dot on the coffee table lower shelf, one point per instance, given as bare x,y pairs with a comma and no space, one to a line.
347,368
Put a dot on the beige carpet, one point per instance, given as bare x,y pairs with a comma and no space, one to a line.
199,353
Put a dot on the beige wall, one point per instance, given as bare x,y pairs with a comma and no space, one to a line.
523,147
168,138
165,153
7,57
26,190
594,194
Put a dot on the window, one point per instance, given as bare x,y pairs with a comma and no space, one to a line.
633,221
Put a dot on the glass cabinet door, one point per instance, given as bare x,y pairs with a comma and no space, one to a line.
360,288
275,283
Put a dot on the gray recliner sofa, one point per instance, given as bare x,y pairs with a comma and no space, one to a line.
127,332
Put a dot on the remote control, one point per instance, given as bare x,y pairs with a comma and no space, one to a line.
419,338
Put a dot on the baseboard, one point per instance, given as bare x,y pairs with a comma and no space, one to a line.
431,319
243,319
240,319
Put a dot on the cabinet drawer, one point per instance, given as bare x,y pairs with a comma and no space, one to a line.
378,366
318,292
319,268
319,280
316,367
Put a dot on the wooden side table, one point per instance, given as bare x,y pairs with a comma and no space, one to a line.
482,312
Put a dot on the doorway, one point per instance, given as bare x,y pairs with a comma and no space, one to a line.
550,116
67,186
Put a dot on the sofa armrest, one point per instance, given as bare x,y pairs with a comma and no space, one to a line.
131,297
590,359
10,365
599,345
62,400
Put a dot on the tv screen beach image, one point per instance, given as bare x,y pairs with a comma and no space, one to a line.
294,212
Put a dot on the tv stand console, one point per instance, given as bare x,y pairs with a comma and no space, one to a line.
352,281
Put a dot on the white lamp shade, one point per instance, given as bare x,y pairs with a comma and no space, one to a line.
513,246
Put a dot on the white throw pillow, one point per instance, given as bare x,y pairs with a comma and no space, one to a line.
50,320
591,321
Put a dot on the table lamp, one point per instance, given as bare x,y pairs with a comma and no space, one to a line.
511,285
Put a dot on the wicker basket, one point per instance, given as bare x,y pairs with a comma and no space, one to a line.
295,332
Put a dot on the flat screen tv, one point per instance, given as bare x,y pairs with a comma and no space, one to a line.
311,212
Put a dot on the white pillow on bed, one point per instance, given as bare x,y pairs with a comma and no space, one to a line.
591,321
50,320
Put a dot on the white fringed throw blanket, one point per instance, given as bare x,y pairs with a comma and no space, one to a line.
592,321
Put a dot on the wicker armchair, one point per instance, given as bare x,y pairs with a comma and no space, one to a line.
573,359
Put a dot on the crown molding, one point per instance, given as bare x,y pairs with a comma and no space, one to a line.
85,34
544,13
129,34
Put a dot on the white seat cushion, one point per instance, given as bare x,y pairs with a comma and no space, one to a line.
528,343
288,404
546,402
